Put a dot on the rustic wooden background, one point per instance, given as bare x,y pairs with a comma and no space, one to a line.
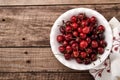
25,26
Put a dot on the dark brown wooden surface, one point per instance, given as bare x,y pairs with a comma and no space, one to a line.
25,52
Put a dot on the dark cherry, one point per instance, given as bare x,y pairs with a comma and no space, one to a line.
89,50
73,19
87,61
60,38
78,39
101,36
62,29
93,57
79,60
94,44
101,28
83,44
93,19
94,36
100,50
84,23
102,43
68,23
72,41
67,56
81,16
61,49
82,35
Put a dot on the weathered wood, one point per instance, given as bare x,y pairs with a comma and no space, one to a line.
53,2
30,25
45,76
30,59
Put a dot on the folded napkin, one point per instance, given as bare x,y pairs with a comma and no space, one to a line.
110,68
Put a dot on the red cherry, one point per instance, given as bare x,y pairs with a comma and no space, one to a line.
75,46
87,61
60,38
101,28
79,29
68,37
75,53
84,23
67,56
68,29
75,33
94,44
83,54
88,40
83,44
74,25
93,19
65,43
62,49
100,50
78,39
68,48
82,35
73,19
86,30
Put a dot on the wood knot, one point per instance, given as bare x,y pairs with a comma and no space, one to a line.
23,38
26,52
3,19
28,61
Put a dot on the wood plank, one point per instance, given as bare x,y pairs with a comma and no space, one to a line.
45,76
52,2
30,25
30,59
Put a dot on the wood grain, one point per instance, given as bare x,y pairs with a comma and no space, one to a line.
54,2
24,26
30,59
45,76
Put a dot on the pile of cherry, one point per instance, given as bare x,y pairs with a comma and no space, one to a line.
81,39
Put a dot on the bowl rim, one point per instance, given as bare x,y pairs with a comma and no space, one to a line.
54,25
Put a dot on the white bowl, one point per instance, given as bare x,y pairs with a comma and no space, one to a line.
55,31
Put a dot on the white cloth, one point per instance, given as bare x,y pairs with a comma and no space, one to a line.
110,68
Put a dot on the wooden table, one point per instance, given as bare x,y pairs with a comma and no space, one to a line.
25,26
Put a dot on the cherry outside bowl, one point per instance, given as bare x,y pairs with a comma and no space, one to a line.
55,31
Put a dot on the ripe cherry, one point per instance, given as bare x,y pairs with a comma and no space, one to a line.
68,23
68,48
62,29
75,53
94,44
102,43
74,25
79,60
81,16
75,33
67,56
88,50
68,37
83,44
60,38
75,46
68,29
79,29
93,19
83,54
65,43
100,50
101,28
88,40
62,49
73,19
86,30
93,57
84,23
82,35
87,61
